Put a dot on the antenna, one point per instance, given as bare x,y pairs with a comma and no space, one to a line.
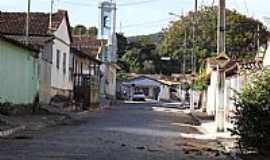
120,29
50,21
27,21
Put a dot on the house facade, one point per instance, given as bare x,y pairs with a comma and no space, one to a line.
266,58
54,38
152,88
18,72
86,71
237,73
61,82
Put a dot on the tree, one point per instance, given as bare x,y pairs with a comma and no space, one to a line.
141,56
252,123
241,35
79,30
83,31
93,31
122,43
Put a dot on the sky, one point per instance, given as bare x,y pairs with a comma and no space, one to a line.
136,17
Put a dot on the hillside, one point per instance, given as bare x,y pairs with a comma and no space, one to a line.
155,38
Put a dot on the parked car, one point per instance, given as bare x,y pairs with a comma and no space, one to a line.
139,96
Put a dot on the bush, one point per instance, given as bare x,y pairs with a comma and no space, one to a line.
252,122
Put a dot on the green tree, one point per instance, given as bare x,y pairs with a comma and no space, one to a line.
93,31
141,56
252,123
122,44
79,30
241,35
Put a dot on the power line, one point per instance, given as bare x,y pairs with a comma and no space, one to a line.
78,3
137,3
246,7
95,4
146,23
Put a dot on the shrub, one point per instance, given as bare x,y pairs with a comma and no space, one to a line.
252,122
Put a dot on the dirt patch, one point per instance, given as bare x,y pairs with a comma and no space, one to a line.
255,157
201,147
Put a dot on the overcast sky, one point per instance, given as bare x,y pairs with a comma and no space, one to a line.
136,16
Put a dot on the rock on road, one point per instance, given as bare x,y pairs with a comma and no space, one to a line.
126,132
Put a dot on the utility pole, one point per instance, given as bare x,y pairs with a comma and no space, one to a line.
221,51
184,56
192,107
258,38
221,27
27,22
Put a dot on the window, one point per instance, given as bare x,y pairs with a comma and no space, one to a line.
64,62
57,59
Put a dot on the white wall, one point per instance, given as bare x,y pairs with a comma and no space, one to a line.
212,94
108,80
59,79
144,82
164,92
266,61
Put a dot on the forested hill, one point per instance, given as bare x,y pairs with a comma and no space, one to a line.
155,37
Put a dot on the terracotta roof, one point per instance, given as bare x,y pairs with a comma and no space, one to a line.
84,55
13,23
37,41
243,66
87,44
30,47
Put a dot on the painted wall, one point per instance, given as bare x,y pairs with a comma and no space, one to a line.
60,80
143,82
211,94
18,74
266,61
108,80
45,64
164,92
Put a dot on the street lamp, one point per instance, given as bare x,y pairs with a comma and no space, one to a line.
165,58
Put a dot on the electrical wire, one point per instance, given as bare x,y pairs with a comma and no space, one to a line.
146,23
137,3
95,4
246,7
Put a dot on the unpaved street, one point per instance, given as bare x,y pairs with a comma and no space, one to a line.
125,132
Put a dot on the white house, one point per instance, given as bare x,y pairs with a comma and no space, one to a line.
52,33
266,59
152,88
237,73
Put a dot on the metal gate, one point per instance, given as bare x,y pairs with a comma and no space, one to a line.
82,90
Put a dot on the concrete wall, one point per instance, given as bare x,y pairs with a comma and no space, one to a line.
18,74
108,80
45,64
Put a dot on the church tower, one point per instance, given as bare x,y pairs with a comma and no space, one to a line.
108,55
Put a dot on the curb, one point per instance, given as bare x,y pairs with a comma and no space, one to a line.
233,155
9,132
